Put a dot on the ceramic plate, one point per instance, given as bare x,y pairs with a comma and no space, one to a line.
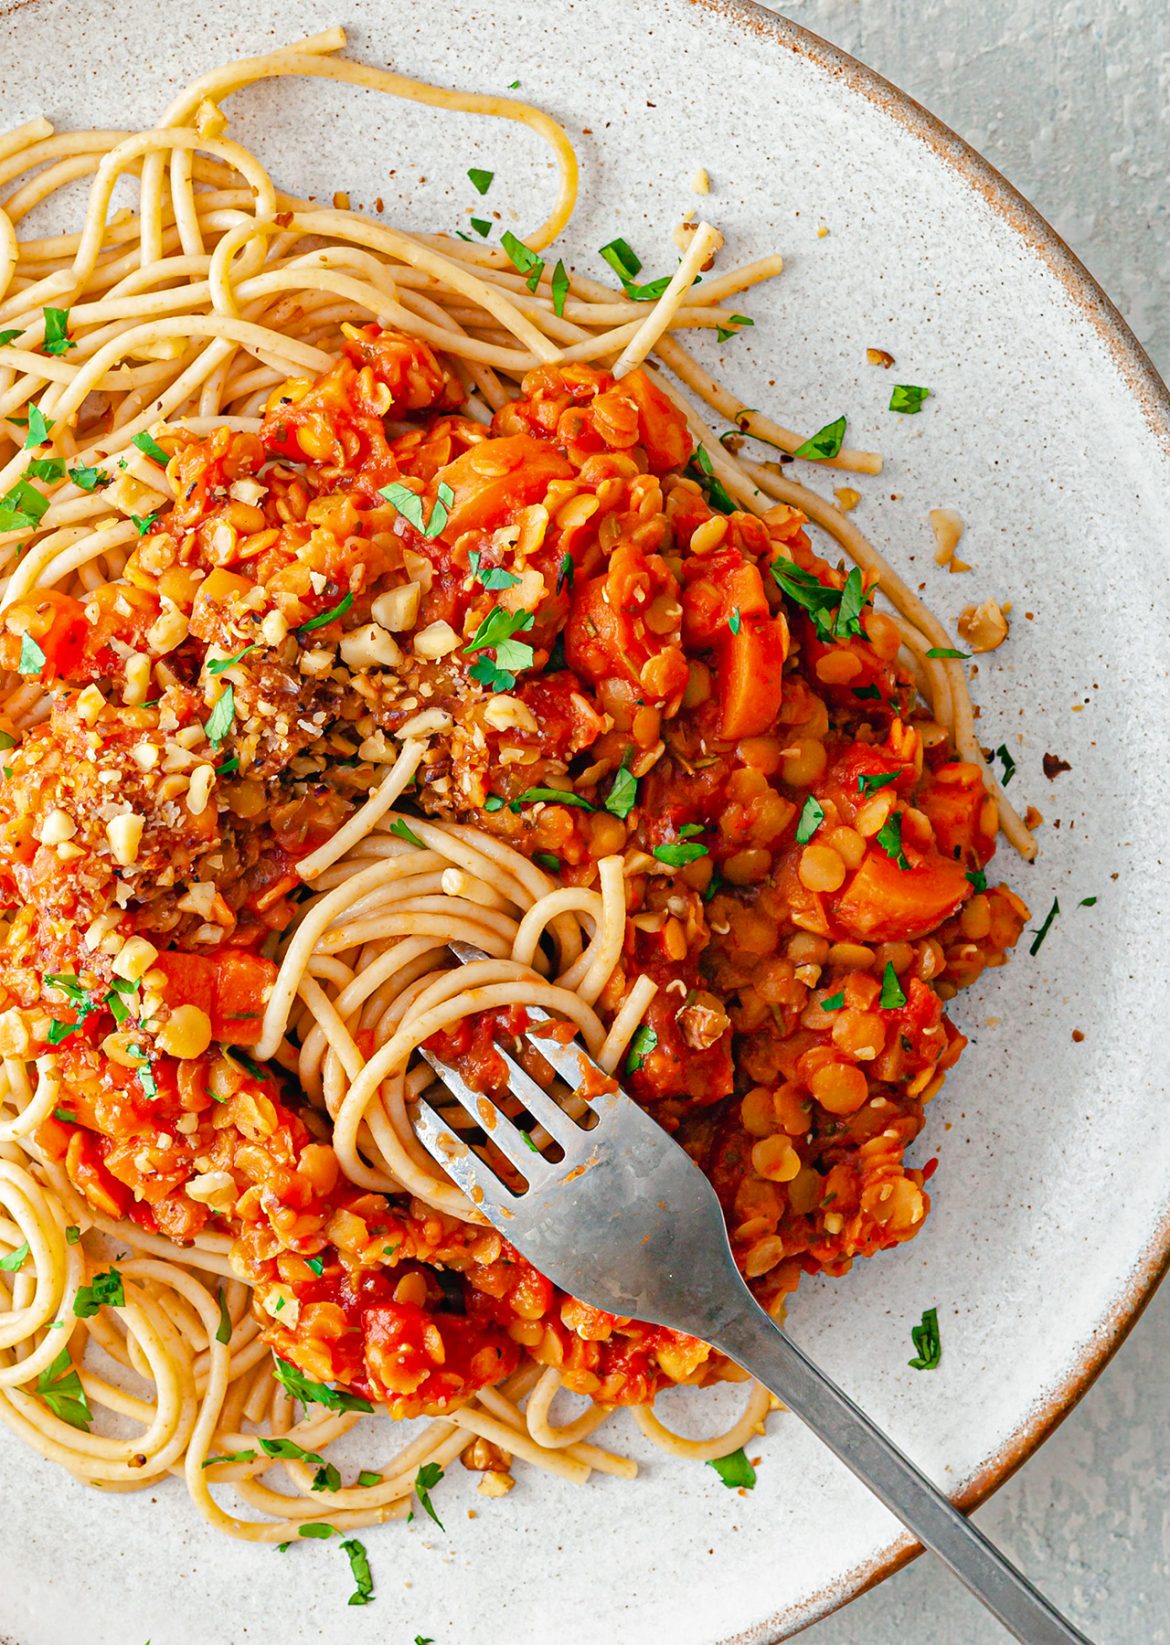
1048,432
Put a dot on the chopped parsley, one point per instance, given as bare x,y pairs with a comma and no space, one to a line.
316,1264
547,859
316,1393
318,1531
560,289
89,479
497,633
1034,946
229,1456
892,997
553,796
482,227
623,796
410,505
734,1470
219,721
425,1481
889,837
949,651
824,444
223,1331
737,323
359,1563
1009,765
1087,902
7,337
522,259
805,589
404,832
72,1234
622,259
14,1261
493,803
481,181
324,617
368,1478
811,818
677,853
834,1002
65,1115
32,658
150,448
701,470
220,665
286,1449
927,1345
642,1042
107,1288
908,397
57,340
493,577
977,878
735,621
60,1387
565,573
23,507
49,469
873,780
38,428
526,1139
143,522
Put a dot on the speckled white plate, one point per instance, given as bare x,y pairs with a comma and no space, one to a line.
1049,433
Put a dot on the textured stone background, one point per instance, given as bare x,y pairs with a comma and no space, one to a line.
1070,99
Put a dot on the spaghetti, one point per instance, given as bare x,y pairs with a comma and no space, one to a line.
286,715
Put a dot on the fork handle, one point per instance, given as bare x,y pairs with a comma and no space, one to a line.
756,1343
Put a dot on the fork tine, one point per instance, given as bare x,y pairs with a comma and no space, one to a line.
481,1185
545,1109
508,1138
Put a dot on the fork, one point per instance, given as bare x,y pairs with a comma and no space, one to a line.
628,1223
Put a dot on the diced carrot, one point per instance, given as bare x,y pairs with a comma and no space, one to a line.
243,982
55,623
662,428
749,672
484,500
885,903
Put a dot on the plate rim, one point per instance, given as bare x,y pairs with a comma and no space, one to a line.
1152,395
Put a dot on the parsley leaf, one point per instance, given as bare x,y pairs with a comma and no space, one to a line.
32,658
410,505
554,796
14,1261
1009,765
60,1387
805,589
1034,947
642,1042
223,1331
908,397
316,1393
677,853
622,260
977,878
405,832
425,1481
493,577
72,1235
871,781
811,818
143,522
324,617
889,837
89,479
150,448
892,997
566,573
522,259
220,665
359,1565
229,1456
702,470
481,181
560,289
9,336
317,1530
623,795
949,651
735,621
1087,902
735,1470
927,1345
482,227
549,860
219,721
38,428
825,443
834,1002
368,1478
738,321
106,1288
57,340
853,601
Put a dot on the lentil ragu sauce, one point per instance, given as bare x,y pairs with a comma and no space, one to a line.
804,854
